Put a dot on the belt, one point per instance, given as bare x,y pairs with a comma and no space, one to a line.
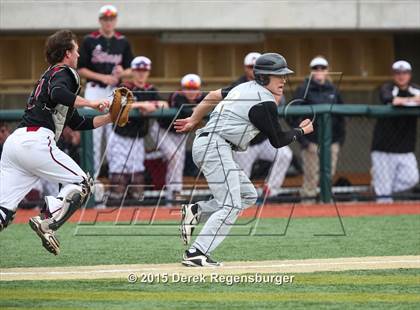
205,134
94,84
32,128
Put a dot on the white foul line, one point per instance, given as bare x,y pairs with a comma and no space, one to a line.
211,268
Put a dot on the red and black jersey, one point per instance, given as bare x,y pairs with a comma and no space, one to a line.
101,54
138,127
185,108
51,103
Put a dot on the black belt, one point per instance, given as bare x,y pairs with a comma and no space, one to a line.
96,84
205,134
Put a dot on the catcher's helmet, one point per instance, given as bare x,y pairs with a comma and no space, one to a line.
270,64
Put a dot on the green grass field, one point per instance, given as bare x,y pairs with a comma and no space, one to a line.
365,236
392,289
304,238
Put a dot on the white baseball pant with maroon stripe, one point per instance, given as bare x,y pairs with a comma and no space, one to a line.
29,156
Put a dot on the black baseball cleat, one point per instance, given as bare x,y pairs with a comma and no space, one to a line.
198,259
190,219
49,240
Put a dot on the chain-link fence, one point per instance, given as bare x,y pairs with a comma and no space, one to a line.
373,162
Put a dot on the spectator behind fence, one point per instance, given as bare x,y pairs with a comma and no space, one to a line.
260,147
249,62
4,133
105,57
171,143
318,89
126,153
394,165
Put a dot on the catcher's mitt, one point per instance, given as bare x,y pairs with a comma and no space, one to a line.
121,106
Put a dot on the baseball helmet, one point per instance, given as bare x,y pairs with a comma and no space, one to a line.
191,81
270,64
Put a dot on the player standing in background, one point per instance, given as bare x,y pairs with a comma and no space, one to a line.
260,147
105,56
234,122
318,89
249,62
126,153
394,165
171,143
30,152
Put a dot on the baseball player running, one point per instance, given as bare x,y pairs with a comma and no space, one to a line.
30,153
248,109
260,147
171,143
105,56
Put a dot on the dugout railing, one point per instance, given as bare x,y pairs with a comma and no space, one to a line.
322,112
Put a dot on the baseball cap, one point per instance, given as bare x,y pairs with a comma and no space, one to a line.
401,65
318,61
141,63
191,81
250,58
108,11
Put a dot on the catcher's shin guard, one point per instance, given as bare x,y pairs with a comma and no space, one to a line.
6,217
71,204
74,196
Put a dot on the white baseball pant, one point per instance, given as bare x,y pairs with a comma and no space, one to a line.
29,156
172,146
280,158
100,134
125,155
393,172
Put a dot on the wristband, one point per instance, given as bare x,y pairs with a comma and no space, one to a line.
300,130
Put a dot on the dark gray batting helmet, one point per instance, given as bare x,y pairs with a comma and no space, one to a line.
271,64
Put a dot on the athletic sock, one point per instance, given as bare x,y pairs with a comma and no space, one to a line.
3,215
194,208
194,251
54,204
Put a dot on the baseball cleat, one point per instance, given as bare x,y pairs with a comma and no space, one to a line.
198,259
189,221
49,240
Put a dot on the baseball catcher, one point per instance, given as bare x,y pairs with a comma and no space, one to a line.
30,153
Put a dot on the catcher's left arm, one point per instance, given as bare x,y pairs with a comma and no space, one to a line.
121,106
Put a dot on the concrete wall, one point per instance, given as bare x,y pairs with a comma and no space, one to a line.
214,15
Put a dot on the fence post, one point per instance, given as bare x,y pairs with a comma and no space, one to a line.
324,141
87,157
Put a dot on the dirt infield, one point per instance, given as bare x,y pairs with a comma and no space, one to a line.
267,211
286,266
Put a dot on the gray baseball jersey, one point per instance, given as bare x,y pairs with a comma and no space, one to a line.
247,110
229,118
